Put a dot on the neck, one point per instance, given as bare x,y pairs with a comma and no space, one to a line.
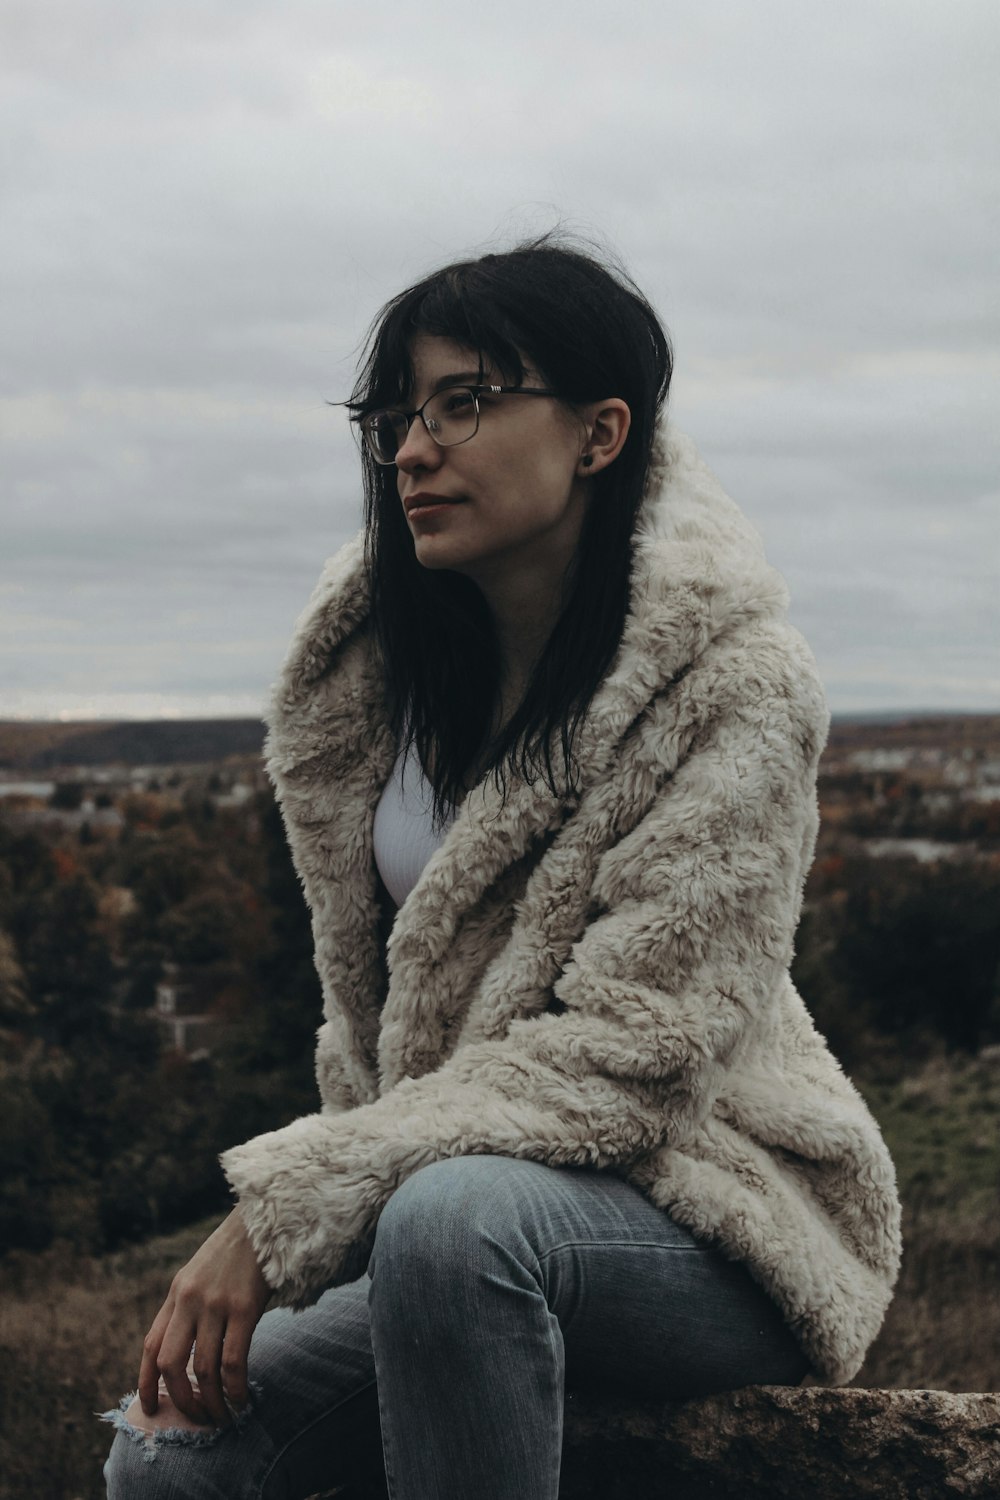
524,592
524,609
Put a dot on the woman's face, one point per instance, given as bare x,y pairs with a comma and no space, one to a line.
512,498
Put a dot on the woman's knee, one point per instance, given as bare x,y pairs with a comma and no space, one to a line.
163,1458
132,1469
439,1213
449,1233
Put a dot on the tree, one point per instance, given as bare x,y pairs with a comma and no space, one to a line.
920,946
16,1006
67,796
66,960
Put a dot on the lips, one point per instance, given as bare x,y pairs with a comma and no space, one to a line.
424,501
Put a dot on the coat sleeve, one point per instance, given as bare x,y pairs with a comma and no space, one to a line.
693,914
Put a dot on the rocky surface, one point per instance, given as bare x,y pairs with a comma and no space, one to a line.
785,1443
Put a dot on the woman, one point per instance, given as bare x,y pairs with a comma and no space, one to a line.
546,750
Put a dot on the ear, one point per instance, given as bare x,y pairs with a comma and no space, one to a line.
606,425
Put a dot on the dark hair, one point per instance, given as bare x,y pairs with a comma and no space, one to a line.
589,333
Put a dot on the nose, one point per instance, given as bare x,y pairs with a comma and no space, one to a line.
418,449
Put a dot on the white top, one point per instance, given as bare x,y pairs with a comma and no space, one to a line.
404,834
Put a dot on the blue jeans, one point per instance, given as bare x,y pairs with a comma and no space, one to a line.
493,1284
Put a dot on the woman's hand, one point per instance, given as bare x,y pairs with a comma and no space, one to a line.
215,1303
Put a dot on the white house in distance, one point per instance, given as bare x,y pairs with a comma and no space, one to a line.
182,1008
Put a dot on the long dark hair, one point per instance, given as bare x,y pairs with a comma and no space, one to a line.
590,334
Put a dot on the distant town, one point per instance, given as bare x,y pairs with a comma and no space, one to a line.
927,787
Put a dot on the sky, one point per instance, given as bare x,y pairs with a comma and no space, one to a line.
203,204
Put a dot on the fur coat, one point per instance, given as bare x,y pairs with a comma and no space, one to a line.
598,979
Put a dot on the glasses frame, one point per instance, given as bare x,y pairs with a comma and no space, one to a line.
475,391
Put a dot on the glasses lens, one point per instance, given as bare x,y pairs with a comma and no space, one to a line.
452,416
385,430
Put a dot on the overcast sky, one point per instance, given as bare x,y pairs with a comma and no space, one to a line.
204,202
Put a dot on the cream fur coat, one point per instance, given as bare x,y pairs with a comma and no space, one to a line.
598,980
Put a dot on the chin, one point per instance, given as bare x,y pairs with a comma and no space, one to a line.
438,558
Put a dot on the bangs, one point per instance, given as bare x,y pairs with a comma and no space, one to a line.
454,304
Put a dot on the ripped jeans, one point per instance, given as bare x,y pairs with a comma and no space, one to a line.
492,1284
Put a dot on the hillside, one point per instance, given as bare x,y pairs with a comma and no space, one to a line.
45,746
158,742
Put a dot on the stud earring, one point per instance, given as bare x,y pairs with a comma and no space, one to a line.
587,460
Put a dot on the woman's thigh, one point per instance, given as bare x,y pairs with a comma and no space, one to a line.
644,1305
640,1303
313,1420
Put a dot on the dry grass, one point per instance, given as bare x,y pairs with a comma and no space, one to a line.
70,1337
943,1329
70,1330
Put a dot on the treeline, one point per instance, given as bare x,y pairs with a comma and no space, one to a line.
108,1134
897,958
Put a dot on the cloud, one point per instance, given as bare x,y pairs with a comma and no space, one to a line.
204,205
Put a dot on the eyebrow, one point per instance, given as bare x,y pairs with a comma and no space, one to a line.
460,377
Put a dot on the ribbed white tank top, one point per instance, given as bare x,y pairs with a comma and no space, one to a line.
404,834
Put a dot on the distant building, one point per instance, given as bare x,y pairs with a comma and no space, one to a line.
880,759
182,1008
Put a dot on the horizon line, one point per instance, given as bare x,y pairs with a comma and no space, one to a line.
74,720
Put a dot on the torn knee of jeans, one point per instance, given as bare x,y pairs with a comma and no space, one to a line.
168,1425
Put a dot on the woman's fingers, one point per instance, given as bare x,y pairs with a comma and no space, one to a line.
218,1363
206,1362
149,1369
235,1352
175,1351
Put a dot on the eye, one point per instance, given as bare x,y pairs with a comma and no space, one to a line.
454,402
382,421
384,430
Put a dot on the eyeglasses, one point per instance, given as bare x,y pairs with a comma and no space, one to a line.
451,417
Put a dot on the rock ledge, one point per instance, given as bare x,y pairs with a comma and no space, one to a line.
784,1443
